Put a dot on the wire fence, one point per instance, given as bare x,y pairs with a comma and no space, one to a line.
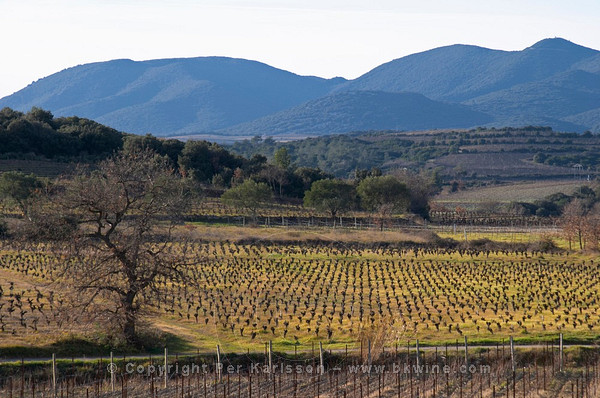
508,225
461,371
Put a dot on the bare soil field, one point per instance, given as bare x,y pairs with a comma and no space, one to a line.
523,191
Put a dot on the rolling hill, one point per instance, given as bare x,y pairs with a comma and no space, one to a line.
459,72
363,110
554,83
550,83
507,154
170,96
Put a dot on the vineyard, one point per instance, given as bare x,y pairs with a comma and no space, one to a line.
243,295
290,214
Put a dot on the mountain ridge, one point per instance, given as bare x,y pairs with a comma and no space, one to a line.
554,81
454,66
361,110
213,91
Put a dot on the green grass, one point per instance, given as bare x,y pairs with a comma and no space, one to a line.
96,345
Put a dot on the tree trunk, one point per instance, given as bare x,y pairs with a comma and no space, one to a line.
130,316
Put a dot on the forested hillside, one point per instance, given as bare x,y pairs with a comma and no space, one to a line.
479,154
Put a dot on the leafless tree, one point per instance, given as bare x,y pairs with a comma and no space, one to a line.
126,211
573,222
592,227
275,176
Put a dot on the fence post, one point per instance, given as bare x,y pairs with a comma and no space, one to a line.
322,366
512,354
54,374
369,356
166,368
270,358
218,363
466,352
561,353
418,358
112,373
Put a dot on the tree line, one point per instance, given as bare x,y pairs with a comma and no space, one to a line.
39,133
251,181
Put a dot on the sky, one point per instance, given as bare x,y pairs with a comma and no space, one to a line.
325,38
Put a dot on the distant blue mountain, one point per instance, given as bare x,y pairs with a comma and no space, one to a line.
170,95
560,95
554,82
459,72
363,110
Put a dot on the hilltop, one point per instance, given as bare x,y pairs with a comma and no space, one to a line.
552,83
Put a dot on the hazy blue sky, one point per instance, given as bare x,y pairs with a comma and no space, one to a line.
311,37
